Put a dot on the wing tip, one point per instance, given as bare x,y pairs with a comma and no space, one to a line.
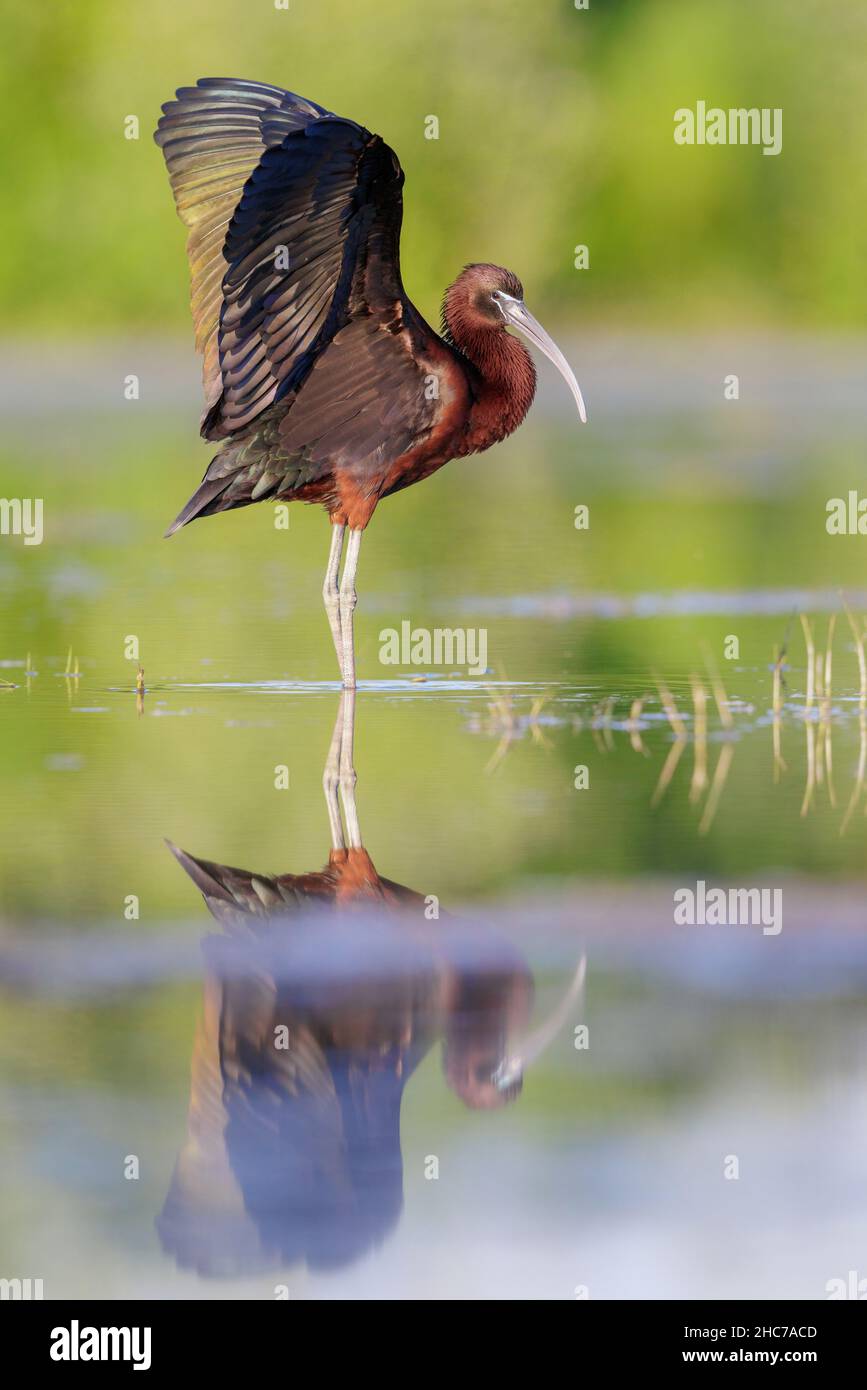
199,504
199,870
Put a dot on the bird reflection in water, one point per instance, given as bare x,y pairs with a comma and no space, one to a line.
322,994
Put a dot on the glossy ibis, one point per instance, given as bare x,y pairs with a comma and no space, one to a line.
293,1146
323,383
313,1023
301,1057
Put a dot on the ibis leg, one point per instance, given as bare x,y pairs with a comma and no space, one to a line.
348,777
339,779
348,600
331,782
331,591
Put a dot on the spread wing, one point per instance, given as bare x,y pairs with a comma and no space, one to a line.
292,1149
312,244
213,136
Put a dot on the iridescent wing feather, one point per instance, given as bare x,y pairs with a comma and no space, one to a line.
213,136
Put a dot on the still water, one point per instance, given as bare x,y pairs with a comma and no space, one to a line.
387,998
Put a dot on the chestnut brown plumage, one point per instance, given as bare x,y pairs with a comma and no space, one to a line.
323,993
323,383
293,1151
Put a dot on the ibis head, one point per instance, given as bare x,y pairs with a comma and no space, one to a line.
486,300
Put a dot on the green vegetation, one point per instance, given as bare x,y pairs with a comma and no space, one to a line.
555,128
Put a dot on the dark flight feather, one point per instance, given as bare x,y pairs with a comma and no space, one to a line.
213,136
300,310
292,1153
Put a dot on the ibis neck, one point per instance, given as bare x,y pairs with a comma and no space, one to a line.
507,380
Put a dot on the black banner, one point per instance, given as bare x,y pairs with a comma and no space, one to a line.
207,1337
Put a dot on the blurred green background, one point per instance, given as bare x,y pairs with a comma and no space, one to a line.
555,128
707,519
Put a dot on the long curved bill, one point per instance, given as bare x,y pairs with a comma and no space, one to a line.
531,1048
518,315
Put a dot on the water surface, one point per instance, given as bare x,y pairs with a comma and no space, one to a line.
510,826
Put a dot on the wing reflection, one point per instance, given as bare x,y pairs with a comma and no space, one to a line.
323,992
